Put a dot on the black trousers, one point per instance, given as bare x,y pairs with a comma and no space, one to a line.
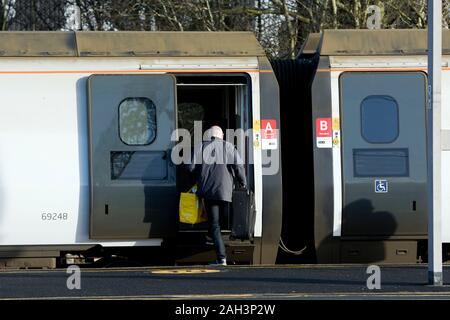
215,208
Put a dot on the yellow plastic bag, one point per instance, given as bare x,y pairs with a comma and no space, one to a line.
191,207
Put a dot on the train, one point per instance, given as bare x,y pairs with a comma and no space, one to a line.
336,138
364,147
87,124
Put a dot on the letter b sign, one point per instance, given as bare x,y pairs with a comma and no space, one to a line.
323,127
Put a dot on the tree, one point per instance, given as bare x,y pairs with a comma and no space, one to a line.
6,14
281,26
37,15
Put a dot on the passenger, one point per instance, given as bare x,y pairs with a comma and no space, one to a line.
214,164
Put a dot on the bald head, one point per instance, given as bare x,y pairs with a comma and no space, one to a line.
216,131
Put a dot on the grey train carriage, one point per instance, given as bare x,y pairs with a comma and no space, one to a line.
362,95
86,124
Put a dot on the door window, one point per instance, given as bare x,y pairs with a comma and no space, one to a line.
379,119
137,121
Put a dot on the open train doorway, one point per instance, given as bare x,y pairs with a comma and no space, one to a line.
222,100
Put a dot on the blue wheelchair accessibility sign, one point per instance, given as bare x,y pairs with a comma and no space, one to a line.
381,186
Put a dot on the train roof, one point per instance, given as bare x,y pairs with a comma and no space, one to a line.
128,44
372,42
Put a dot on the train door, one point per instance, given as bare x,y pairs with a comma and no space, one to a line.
383,153
133,181
215,100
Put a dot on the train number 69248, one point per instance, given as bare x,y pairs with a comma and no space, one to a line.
54,216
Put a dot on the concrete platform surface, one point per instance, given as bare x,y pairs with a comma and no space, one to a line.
231,282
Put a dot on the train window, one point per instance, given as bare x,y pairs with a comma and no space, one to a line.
137,121
379,119
138,165
381,162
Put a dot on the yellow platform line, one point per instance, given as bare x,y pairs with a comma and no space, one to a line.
261,296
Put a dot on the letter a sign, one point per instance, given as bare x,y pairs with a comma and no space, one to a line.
269,134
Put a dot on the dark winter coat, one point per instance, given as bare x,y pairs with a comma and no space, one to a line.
216,168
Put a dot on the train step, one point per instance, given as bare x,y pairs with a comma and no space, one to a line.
194,248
